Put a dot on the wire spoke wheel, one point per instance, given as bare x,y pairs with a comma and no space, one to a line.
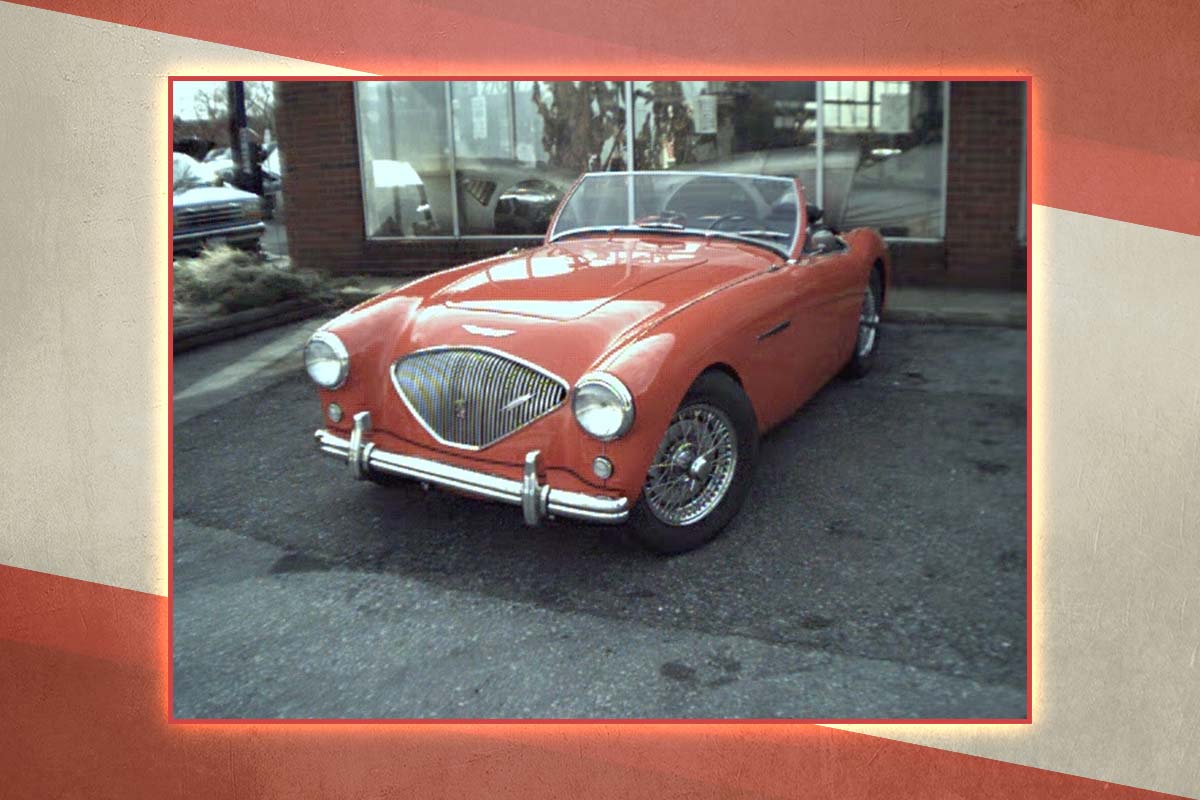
868,323
694,466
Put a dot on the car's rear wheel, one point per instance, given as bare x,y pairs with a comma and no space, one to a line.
701,473
867,338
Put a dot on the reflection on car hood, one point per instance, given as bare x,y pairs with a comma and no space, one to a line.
205,195
562,305
568,280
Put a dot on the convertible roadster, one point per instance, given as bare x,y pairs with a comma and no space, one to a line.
620,372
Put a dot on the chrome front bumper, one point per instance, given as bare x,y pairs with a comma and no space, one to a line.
537,501
236,232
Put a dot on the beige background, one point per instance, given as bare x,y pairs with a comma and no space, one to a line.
84,310
1116,405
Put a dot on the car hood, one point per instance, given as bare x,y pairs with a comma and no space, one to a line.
565,305
207,195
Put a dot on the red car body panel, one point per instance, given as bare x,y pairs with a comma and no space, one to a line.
655,310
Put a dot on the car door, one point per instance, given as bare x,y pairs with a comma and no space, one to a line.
826,297
791,356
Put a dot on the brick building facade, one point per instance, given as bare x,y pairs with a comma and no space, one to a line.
984,193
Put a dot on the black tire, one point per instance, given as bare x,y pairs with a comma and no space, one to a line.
861,359
712,390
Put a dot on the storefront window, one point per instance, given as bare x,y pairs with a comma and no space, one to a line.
511,149
405,149
494,158
753,127
883,159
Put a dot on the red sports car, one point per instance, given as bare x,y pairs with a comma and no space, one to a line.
620,372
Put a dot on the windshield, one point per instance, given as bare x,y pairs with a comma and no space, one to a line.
758,209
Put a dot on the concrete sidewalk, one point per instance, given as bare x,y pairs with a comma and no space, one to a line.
929,305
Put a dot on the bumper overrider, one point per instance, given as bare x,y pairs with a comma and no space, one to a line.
537,501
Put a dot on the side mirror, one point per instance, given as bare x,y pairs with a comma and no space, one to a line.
824,241
814,213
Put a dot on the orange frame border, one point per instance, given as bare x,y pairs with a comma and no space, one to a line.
172,720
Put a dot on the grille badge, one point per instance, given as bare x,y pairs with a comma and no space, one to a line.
494,333
517,401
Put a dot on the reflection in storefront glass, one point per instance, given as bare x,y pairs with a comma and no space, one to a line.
495,158
883,156
404,139
748,127
517,147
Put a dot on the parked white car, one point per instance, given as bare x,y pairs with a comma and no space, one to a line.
204,211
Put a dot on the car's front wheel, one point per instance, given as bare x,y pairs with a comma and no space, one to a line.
701,473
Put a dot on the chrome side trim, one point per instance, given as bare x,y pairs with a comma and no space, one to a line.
780,328
537,501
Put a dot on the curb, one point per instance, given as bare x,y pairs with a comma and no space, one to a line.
210,331
915,316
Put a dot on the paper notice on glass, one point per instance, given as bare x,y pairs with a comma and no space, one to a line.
479,117
706,114
893,114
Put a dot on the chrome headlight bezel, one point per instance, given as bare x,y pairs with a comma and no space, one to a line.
337,352
595,385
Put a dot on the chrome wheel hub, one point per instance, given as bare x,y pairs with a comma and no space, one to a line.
868,323
694,466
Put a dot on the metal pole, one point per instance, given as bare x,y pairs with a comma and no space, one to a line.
453,159
247,171
820,194
629,165
512,119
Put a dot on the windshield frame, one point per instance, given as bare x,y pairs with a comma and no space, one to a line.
788,251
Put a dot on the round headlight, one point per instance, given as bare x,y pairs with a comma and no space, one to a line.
603,406
326,359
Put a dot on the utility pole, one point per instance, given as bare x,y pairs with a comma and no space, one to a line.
247,172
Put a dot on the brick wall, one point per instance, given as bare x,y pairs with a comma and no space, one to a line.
318,137
983,186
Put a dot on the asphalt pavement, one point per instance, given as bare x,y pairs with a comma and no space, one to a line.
877,570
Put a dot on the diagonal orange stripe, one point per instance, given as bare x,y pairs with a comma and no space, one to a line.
83,689
1123,183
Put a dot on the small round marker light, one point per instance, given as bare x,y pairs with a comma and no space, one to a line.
335,412
602,467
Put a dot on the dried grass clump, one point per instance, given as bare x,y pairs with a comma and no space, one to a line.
232,280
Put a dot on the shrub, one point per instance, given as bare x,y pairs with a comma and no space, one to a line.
235,280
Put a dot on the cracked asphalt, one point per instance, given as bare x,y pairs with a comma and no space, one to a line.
878,569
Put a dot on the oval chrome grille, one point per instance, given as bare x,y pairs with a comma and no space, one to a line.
473,397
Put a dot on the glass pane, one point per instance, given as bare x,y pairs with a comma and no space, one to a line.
520,145
749,127
405,141
883,156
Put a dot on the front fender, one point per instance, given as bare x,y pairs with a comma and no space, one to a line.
660,366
